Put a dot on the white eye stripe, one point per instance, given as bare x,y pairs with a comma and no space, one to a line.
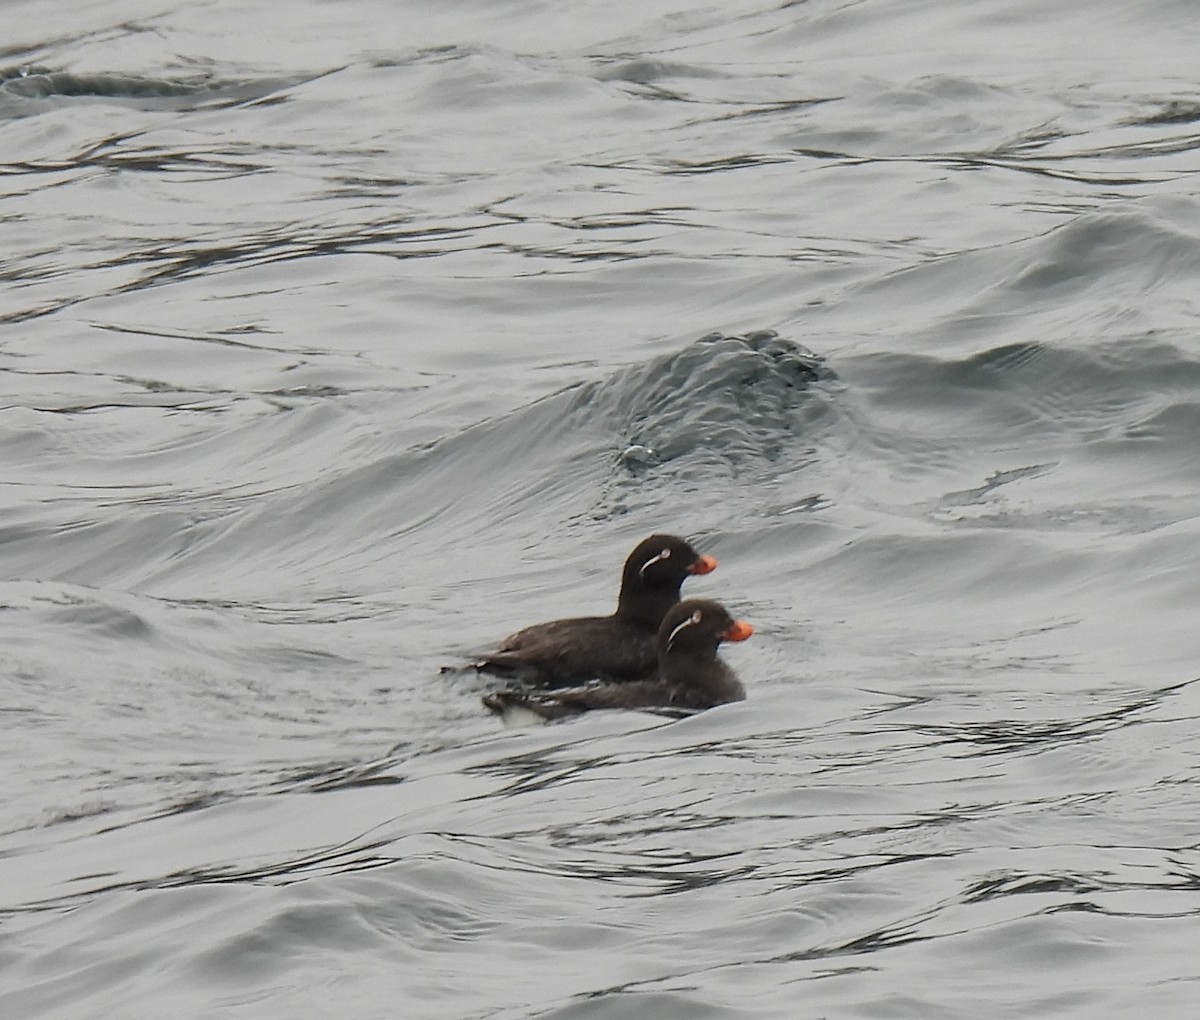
664,555
694,618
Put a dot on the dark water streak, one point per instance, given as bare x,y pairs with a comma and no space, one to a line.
328,366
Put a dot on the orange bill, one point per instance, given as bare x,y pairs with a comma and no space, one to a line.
739,630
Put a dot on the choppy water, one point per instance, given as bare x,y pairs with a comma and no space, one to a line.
339,340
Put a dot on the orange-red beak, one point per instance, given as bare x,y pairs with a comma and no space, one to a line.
739,630
703,565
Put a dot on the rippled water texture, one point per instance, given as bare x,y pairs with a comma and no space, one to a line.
339,340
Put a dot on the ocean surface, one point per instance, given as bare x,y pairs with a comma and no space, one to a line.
339,340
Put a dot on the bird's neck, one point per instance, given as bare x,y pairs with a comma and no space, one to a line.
645,607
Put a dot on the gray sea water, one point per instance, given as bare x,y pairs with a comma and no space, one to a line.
338,340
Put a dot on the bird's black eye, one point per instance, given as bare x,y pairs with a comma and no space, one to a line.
697,616
665,554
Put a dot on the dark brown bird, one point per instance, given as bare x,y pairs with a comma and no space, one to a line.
615,648
690,676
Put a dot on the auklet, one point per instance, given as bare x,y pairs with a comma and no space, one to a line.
616,648
690,676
